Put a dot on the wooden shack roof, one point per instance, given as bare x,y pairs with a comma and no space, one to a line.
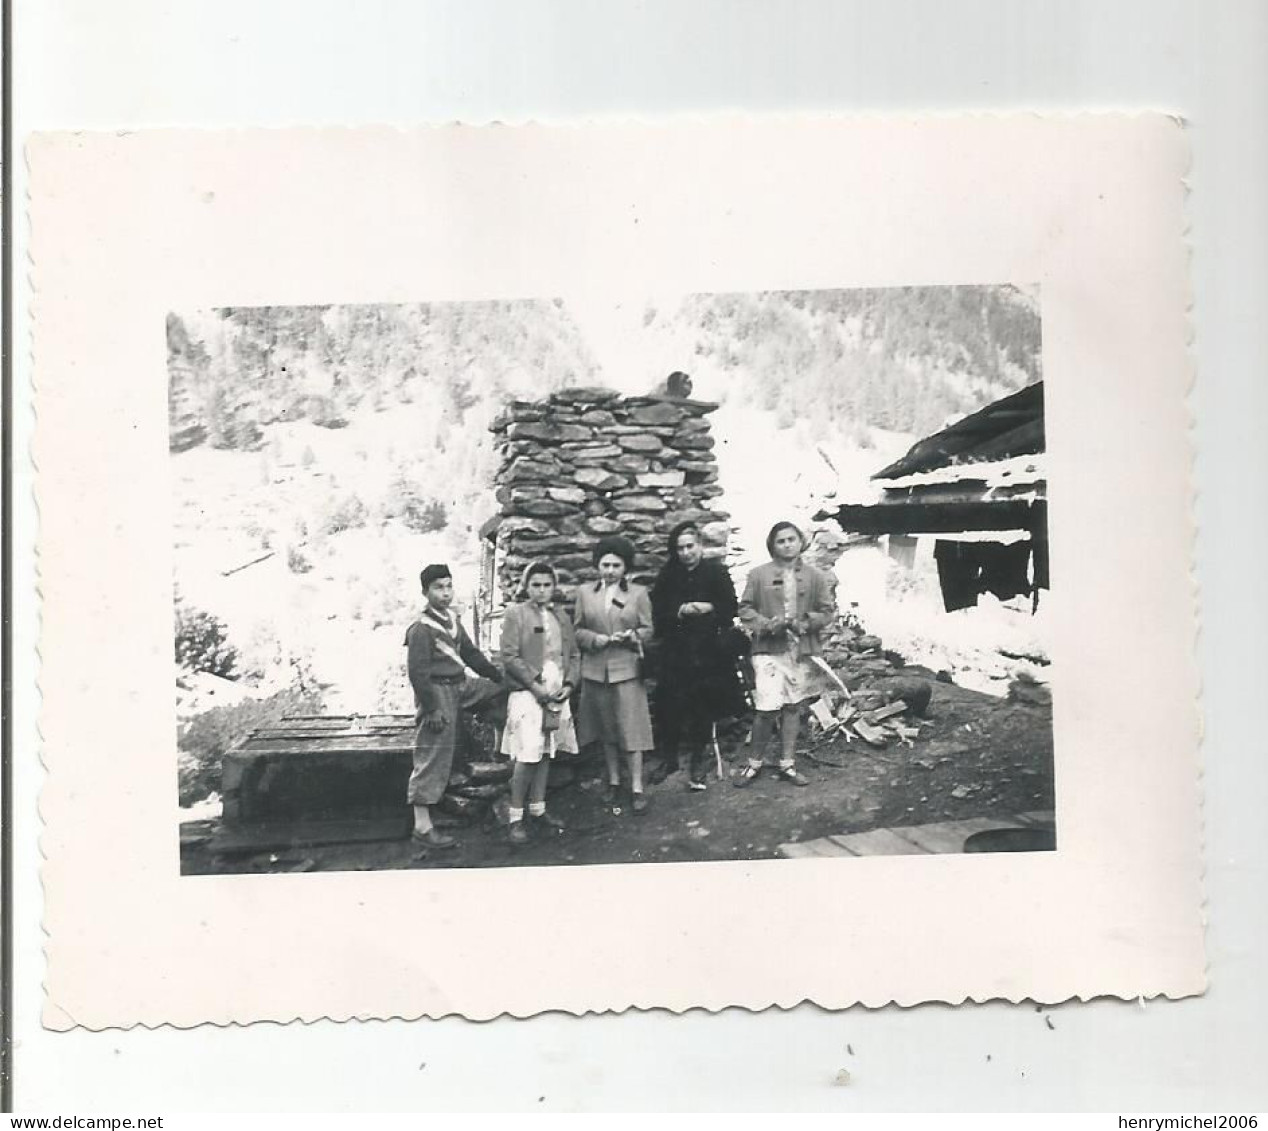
1011,426
984,472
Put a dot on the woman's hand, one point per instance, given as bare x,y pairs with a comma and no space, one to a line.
563,693
695,609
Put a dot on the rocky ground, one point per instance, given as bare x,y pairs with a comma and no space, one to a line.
976,756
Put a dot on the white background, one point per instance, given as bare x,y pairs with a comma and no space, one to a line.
129,64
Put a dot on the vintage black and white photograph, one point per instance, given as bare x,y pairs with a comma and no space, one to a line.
558,550
587,581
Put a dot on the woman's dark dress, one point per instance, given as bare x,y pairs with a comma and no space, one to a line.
696,682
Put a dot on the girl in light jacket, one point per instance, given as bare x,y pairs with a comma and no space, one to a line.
540,658
613,619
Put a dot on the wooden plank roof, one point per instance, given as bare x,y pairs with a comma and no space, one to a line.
1010,426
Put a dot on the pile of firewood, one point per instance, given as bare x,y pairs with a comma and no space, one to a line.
838,716
877,710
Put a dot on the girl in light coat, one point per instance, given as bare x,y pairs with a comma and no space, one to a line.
540,659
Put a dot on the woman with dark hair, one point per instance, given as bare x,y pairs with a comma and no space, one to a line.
786,605
613,619
539,656
693,605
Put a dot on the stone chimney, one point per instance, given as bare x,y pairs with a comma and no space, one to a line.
587,462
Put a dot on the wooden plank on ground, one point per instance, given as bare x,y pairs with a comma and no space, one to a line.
822,715
897,707
1038,817
872,735
796,851
825,846
879,842
949,836
940,838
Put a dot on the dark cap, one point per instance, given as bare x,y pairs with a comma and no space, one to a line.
432,573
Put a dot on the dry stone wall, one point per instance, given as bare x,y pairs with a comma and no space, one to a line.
586,463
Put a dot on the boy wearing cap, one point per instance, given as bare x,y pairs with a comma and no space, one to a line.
439,653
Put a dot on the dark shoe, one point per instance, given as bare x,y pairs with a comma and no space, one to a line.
697,767
789,774
435,839
747,776
611,793
659,771
549,821
517,834
639,804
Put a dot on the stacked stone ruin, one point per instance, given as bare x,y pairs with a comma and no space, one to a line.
585,463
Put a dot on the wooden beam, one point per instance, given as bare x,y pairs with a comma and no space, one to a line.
967,490
911,517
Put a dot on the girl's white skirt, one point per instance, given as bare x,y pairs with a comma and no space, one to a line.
524,740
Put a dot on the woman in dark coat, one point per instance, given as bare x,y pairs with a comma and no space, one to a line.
693,610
